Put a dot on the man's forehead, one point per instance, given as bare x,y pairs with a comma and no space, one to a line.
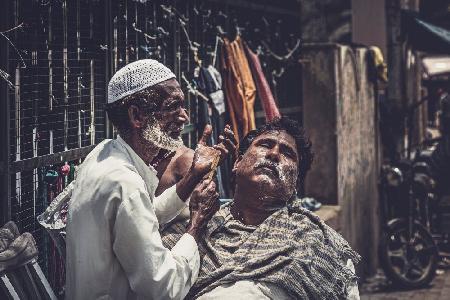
170,86
171,89
280,135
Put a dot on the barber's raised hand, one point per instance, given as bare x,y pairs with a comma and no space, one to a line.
203,205
204,155
227,144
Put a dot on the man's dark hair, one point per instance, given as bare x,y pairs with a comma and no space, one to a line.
150,100
292,128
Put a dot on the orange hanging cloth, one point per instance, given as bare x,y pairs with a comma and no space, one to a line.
239,86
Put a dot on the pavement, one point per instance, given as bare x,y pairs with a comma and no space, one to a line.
378,288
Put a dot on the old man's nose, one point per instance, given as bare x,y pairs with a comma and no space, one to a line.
183,117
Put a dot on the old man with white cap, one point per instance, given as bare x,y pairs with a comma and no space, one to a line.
114,248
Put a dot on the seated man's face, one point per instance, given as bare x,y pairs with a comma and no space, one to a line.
270,165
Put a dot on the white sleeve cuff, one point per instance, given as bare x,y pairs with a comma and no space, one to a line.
352,289
187,247
168,205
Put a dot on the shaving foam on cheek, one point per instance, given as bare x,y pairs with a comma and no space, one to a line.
288,175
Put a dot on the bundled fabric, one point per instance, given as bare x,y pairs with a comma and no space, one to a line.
292,248
262,86
209,81
15,249
239,86
54,218
203,108
216,93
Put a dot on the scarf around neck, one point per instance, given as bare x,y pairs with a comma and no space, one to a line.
292,248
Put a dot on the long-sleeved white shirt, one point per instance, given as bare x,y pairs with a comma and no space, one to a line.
114,250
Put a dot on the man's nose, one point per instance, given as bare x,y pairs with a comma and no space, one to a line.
183,117
274,154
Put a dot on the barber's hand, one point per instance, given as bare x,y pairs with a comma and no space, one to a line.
203,155
203,205
227,144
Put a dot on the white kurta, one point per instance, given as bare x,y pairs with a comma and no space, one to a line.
114,250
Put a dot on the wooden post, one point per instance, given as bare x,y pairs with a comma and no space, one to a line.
395,62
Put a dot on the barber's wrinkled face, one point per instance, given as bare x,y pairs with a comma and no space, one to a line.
172,115
165,127
270,164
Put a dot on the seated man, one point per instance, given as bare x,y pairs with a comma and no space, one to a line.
263,245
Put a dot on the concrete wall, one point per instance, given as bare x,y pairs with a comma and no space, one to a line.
326,20
369,23
340,116
319,118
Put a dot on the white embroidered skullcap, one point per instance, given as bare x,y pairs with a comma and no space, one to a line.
136,77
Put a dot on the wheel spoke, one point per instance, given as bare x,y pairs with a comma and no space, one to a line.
398,259
416,270
417,266
403,239
399,253
405,270
426,250
416,237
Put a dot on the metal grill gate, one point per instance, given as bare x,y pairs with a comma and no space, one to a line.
57,57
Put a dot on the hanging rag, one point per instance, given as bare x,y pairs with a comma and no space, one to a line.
217,96
203,109
20,251
379,63
209,82
239,86
262,86
218,122
51,176
210,86
8,233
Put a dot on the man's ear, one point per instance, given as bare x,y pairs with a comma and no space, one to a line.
136,116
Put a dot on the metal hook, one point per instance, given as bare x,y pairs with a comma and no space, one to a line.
12,44
192,89
146,35
283,57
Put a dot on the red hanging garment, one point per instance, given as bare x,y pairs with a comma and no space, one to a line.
262,86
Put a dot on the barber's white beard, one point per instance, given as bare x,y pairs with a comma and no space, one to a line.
153,134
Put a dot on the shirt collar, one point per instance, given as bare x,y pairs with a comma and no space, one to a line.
147,172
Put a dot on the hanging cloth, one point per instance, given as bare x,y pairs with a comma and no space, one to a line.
210,114
239,86
218,123
216,93
262,86
203,108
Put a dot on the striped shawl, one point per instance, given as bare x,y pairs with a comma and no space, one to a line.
292,248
